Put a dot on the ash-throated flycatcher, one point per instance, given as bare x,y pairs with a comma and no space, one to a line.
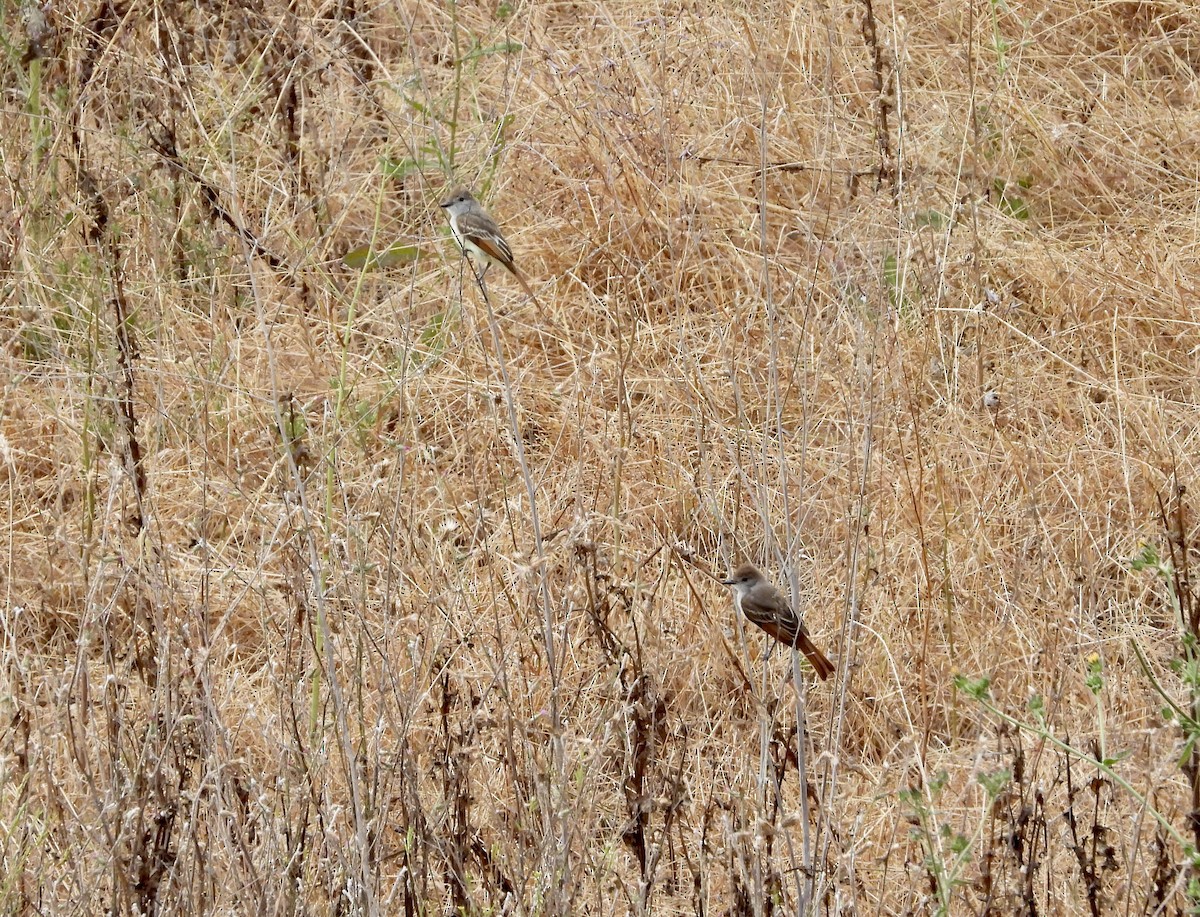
764,605
478,235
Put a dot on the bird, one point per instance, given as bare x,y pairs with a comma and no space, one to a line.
764,605
478,235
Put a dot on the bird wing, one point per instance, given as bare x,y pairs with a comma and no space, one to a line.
483,234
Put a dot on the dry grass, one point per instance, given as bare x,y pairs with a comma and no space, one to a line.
330,590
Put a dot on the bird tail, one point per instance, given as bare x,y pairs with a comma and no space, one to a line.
819,660
512,269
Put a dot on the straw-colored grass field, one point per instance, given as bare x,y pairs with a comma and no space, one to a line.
334,583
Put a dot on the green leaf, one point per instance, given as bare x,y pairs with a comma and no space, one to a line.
891,272
364,259
977,688
433,335
933,218
1146,558
415,105
1011,204
995,783
1193,890
1095,675
1186,754
399,168
910,797
506,47
1037,706
502,124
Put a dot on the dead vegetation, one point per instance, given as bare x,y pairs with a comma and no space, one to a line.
334,584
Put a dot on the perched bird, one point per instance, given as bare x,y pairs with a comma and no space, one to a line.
764,605
478,235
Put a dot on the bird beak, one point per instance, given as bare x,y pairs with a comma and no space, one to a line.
727,582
